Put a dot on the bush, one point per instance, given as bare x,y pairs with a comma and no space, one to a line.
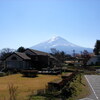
97,63
29,73
2,74
70,64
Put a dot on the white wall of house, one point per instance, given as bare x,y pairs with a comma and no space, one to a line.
94,60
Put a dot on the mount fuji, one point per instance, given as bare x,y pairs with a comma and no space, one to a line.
60,44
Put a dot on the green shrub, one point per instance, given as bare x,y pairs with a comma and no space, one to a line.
2,74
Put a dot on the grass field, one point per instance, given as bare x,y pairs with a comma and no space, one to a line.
80,90
25,85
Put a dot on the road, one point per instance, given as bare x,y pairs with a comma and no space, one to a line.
94,83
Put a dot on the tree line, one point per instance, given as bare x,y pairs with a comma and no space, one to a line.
60,55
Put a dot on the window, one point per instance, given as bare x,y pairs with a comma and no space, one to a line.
13,58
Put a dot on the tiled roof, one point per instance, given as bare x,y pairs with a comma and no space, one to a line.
23,55
41,53
38,52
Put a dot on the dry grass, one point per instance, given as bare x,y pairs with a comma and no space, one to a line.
25,85
85,90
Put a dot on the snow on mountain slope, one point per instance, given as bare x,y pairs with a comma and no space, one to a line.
60,44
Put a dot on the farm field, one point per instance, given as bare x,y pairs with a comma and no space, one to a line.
25,85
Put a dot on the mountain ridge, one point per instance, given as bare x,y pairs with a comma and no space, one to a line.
60,44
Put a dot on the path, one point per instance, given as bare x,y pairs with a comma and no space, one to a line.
94,83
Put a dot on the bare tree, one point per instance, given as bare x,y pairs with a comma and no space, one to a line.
5,52
12,91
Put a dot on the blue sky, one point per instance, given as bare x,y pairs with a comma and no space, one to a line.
29,22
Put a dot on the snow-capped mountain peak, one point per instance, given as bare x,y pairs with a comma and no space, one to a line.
60,44
54,38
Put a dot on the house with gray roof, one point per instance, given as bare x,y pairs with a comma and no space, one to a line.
17,61
95,60
30,59
41,59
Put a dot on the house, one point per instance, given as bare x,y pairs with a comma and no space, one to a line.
30,59
17,61
95,60
40,59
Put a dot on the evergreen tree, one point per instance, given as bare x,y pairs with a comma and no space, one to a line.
97,48
21,49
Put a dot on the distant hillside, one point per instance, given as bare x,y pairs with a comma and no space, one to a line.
60,44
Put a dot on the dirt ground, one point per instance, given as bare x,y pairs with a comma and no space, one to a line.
25,85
